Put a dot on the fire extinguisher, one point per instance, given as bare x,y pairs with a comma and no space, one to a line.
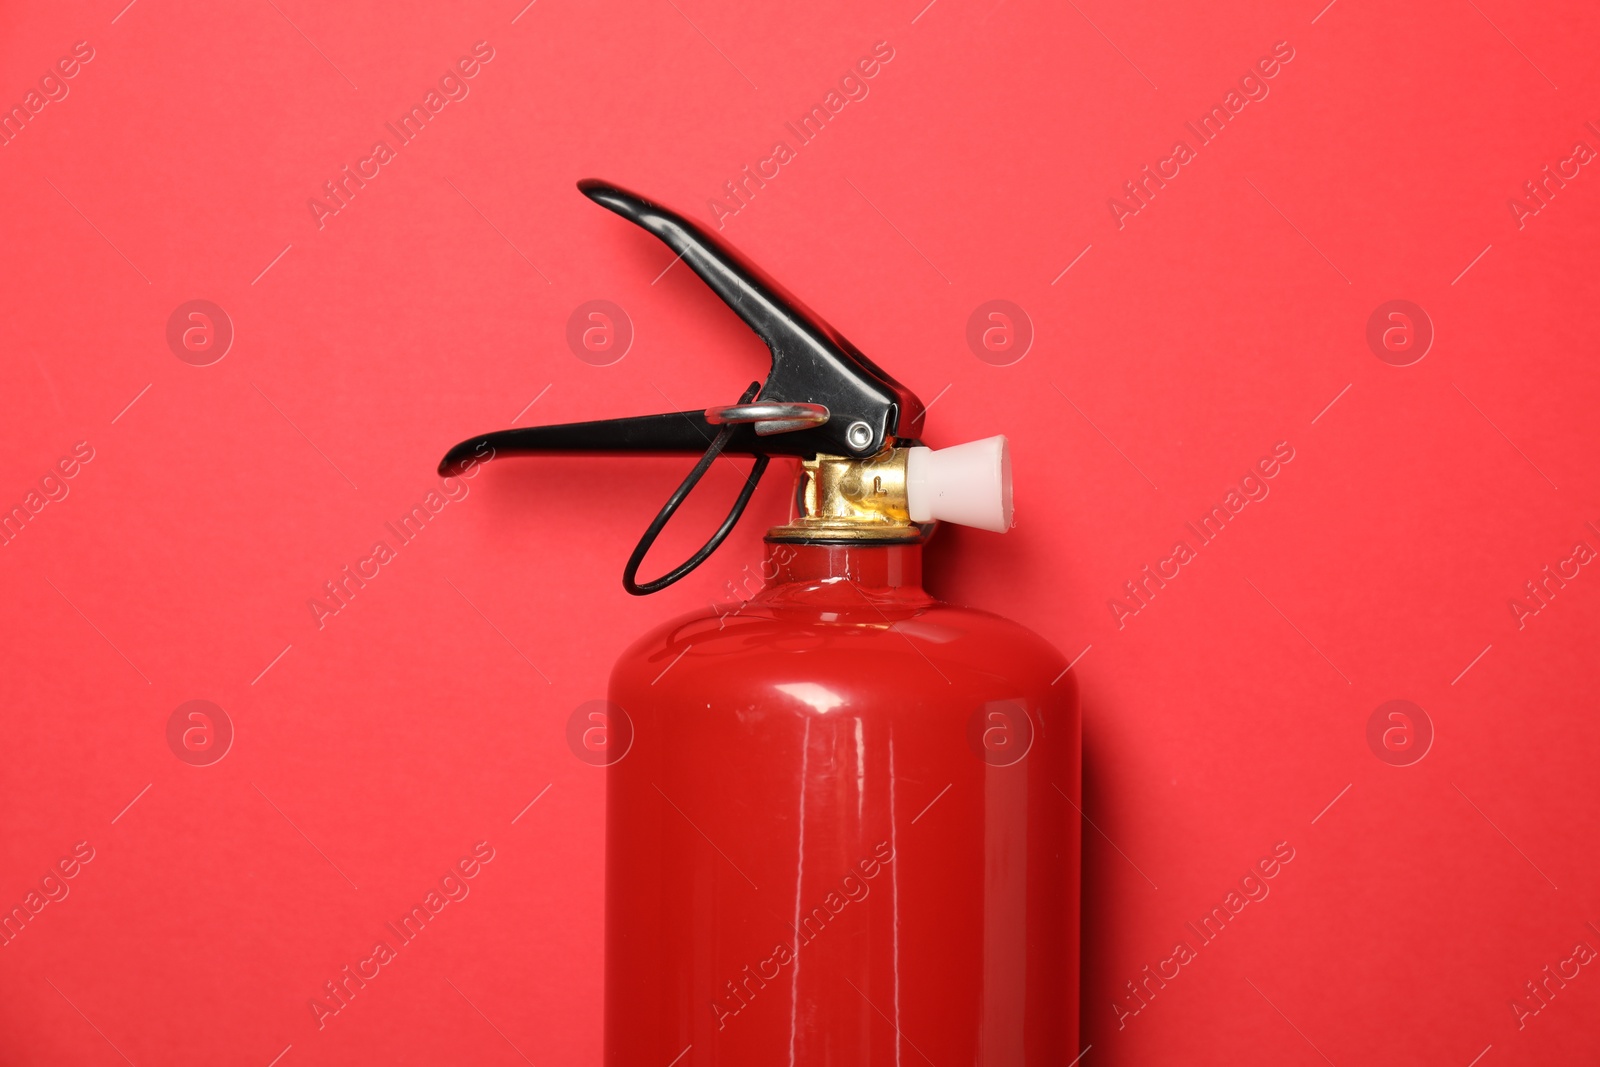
845,830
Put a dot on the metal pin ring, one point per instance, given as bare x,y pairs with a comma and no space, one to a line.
770,417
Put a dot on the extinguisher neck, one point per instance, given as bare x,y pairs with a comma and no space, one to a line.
844,499
874,569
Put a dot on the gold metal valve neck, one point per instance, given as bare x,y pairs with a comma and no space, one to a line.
847,499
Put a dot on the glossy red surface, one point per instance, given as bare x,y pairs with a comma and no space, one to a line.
845,831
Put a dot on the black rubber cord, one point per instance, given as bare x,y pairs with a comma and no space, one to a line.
630,573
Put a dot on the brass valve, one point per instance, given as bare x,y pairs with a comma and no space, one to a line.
845,499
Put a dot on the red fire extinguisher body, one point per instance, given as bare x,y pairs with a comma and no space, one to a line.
844,831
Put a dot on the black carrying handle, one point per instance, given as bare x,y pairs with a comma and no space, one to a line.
675,432
812,364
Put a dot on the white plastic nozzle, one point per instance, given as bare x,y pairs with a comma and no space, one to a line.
969,484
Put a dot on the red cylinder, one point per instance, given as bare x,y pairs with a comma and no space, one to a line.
845,830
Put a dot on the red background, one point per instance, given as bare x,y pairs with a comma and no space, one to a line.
1223,318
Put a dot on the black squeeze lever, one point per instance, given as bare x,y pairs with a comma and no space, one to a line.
822,396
